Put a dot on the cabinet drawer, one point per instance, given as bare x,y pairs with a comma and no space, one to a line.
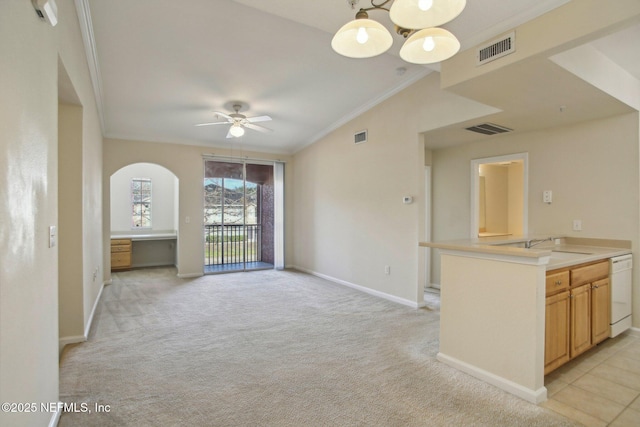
589,273
120,242
557,282
121,259
120,248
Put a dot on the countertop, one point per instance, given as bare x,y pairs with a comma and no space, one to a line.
149,235
563,252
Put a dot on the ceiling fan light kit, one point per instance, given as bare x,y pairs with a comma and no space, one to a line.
415,19
236,130
238,121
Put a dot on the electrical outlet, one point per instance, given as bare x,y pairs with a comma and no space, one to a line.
547,196
577,225
387,269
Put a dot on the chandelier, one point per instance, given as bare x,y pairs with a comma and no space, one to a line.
415,20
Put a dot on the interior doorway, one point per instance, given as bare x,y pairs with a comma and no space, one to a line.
240,216
499,196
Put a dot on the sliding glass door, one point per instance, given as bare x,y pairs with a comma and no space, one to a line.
240,212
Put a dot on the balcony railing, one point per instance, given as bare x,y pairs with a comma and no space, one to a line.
231,244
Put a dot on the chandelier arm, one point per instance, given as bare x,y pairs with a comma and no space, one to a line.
375,6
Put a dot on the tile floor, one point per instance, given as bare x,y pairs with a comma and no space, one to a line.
600,387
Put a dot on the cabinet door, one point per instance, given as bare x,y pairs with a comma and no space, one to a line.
556,338
580,319
600,310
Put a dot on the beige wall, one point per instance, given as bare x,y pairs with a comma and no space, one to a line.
349,220
546,33
163,197
503,197
70,224
89,201
186,162
28,202
31,51
496,182
477,296
349,217
515,209
592,169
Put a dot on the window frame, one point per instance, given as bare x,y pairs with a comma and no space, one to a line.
142,192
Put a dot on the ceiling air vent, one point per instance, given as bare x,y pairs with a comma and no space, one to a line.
488,129
496,49
360,137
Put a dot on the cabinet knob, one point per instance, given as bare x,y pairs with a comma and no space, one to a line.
595,287
558,282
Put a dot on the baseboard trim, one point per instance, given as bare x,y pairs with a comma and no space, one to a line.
74,339
152,264
87,327
64,341
360,288
634,332
55,417
189,275
533,396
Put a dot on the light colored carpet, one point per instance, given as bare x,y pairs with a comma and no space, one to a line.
271,348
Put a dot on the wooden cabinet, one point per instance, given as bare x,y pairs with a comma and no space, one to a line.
120,254
556,339
600,310
577,311
580,319
557,281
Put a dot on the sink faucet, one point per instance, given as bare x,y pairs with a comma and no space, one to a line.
533,242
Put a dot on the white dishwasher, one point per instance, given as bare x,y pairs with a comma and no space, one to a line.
621,268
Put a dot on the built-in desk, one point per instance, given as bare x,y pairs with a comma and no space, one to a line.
150,249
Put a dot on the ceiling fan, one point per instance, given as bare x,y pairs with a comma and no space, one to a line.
239,121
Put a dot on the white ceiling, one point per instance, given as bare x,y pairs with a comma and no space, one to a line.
163,66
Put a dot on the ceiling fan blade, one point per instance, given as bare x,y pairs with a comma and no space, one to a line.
213,123
258,119
225,115
258,128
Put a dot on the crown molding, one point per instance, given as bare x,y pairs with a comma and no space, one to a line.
86,29
366,107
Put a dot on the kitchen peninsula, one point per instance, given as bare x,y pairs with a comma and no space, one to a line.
493,295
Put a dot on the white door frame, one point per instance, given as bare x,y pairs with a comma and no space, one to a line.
427,225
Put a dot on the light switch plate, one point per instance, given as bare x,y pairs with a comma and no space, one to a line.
52,236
